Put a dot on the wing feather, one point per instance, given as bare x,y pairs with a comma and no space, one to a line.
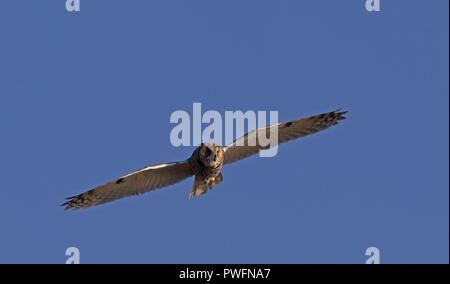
287,131
135,183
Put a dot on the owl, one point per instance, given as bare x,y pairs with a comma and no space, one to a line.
205,163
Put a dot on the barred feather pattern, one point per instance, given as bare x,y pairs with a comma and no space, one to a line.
138,182
287,131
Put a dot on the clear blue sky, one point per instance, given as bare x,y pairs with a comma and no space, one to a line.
86,97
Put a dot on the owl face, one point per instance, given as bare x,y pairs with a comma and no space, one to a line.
211,155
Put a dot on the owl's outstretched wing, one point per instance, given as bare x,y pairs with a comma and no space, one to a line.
287,131
138,182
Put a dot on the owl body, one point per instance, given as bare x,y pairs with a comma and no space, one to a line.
206,163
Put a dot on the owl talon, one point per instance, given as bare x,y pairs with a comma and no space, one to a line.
218,178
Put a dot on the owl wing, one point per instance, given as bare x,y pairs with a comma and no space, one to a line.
138,182
287,131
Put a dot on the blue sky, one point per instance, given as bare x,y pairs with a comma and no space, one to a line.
86,97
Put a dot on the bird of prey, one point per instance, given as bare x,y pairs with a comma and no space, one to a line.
205,163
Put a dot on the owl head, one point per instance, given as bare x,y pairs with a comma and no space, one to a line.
211,155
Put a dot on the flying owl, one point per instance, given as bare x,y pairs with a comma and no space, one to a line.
205,163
